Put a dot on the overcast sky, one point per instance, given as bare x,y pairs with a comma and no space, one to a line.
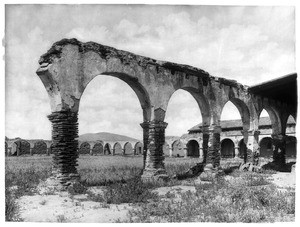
248,44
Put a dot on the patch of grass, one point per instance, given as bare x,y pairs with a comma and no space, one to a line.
133,191
227,203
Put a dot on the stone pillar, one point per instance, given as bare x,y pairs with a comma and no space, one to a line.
91,151
201,153
236,151
205,138
48,151
123,151
251,139
170,151
145,126
185,151
212,162
279,144
214,146
64,148
154,166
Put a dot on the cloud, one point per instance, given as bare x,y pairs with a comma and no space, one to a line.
248,44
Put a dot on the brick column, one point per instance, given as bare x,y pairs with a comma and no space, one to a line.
212,164
279,144
205,139
213,154
154,166
64,148
145,126
251,140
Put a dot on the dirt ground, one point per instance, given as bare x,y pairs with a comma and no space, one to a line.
63,208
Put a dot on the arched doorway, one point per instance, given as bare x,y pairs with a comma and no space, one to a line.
138,147
128,150
118,149
193,148
22,148
107,149
227,148
40,147
266,147
242,148
291,147
98,149
84,148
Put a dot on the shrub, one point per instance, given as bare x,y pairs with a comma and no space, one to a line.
133,191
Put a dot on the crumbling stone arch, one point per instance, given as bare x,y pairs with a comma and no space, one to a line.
68,67
275,122
178,149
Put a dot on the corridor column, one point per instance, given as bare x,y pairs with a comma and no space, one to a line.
154,164
279,142
64,148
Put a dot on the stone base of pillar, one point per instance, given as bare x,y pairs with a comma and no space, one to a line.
154,175
54,184
210,173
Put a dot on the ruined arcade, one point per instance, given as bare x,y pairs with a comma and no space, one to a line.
68,67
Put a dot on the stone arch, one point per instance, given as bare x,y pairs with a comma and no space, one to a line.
201,100
290,125
291,147
84,148
107,149
22,147
275,122
117,149
242,148
193,148
243,110
134,84
177,149
266,147
128,149
39,147
98,149
227,148
138,148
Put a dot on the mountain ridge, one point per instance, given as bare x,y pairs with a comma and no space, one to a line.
106,136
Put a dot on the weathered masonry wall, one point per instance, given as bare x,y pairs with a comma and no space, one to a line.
70,65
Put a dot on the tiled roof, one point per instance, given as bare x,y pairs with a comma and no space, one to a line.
263,121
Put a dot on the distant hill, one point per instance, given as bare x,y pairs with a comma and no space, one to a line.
106,136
